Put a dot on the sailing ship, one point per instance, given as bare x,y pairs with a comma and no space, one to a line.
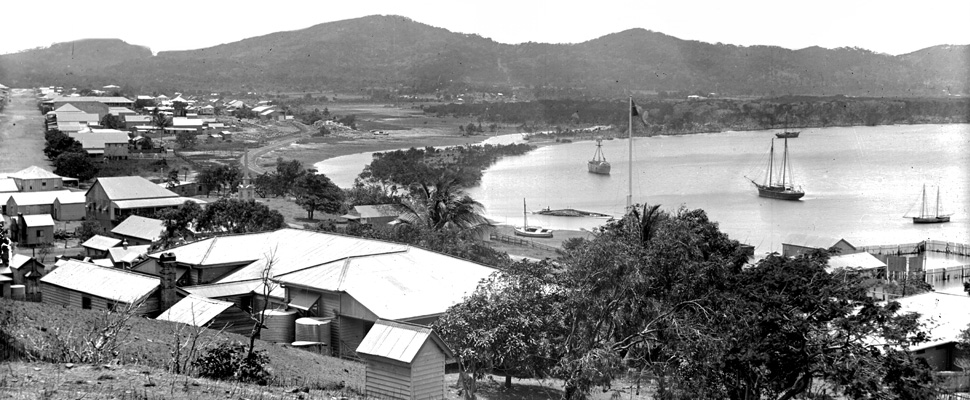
783,189
599,165
531,231
925,216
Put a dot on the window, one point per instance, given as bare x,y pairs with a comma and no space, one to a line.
40,233
86,303
43,183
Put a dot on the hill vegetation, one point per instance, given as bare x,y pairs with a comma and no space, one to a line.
397,54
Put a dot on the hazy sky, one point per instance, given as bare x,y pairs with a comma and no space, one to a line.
893,27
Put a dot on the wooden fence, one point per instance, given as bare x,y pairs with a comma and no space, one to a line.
937,246
519,242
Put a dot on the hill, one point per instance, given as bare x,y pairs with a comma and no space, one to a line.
398,54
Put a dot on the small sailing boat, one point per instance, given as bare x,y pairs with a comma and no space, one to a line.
925,215
787,134
599,165
530,231
783,189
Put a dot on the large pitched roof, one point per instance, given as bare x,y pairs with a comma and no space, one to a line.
97,99
854,262
400,285
131,188
66,117
33,172
109,283
943,315
140,227
98,138
67,108
194,310
812,241
399,341
8,185
40,198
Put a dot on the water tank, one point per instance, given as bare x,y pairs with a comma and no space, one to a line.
18,292
313,330
279,326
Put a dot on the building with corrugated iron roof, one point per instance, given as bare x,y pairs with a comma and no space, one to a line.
404,361
111,200
137,230
353,280
89,286
195,310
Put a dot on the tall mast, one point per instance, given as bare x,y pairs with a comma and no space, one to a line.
771,163
629,195
937,201
525,220
922,211
784,164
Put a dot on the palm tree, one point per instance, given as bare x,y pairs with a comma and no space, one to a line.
444,206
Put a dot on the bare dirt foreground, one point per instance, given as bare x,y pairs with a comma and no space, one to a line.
21,133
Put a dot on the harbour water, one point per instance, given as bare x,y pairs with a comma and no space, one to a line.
859,182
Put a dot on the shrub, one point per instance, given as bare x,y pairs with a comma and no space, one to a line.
231,361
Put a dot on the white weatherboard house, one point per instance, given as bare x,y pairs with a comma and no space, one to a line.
89,286
404,361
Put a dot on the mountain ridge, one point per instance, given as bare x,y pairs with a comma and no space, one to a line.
398,54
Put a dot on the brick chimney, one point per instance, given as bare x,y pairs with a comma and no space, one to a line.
166,272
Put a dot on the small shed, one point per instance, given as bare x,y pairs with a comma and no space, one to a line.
26,270
97,246
40,229
196,310
404,361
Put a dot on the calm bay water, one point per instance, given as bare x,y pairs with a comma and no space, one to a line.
859,182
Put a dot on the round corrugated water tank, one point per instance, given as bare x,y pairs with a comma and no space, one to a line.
279,326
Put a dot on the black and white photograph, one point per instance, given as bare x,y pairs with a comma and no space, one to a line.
499,200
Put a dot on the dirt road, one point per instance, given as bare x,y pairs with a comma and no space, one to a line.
21,133
254,154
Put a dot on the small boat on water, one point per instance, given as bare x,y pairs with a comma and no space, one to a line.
787,134
926,216
783,189
530,231
570,212
599,165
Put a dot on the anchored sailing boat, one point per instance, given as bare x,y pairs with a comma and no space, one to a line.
786,134
925,216
599,165
531,231
783,189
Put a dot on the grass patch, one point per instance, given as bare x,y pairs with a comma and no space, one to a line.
28,330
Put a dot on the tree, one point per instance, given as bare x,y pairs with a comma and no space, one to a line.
110,121
159,121
512,324
238,216
287,174
348,121
75,165
186,140
87,230
666,293
173,178
177,222
208,179
59,143
315,192
323,131
443,205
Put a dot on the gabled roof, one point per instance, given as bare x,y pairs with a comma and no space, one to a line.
399,341
109,283
129,254
97,139
398,285
131,188
71,198
19,260
812,241
65,118
67,108
140,228
39,198
33,172
156,202
38,220
854,262
195,310
379,210
8,185
103,243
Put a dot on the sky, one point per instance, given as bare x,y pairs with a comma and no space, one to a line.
893,27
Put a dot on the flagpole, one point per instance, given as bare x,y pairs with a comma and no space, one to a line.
629,193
